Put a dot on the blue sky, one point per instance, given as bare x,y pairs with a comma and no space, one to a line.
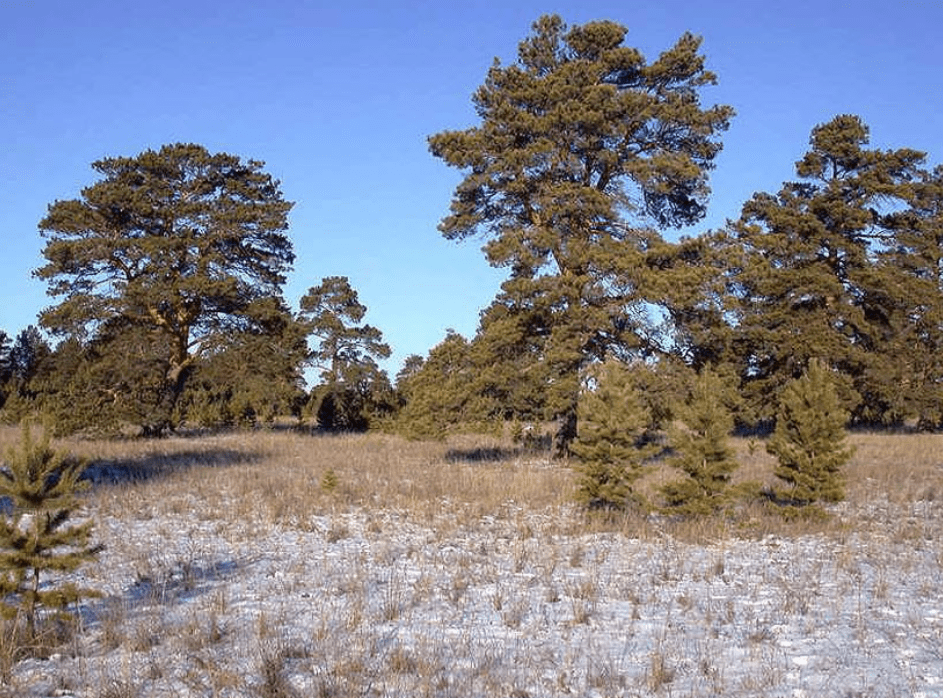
339,98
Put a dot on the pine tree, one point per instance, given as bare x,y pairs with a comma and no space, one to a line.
808,276
352,384
809,440
36,538
161,262
583,149
704,453
612,442
438,392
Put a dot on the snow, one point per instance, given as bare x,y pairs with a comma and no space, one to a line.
514,603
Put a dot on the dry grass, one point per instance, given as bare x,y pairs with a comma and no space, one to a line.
238,487
290,477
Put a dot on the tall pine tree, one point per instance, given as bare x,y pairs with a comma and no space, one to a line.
583,148
807,274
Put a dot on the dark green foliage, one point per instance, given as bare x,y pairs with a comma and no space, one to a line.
353,388
582,147
809,441
438,391
36,536
912,380
255,378
812,270
702,449
612,444
25,361
159,264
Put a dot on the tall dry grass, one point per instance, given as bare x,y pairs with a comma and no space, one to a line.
238,487
282,475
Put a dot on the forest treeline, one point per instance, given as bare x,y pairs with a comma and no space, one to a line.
167,272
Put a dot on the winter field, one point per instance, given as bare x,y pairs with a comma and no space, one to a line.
234,567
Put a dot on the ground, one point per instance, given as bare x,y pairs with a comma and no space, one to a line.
239,576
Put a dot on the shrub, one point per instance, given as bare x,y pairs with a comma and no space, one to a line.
809,440
36,538
612,441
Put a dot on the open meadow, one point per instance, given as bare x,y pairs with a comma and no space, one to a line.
276,564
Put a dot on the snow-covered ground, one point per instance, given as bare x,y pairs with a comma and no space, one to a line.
513,604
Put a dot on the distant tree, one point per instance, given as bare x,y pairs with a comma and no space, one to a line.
177,247
36,538
26,358
411,367
27,353
582,147
809,441
439,394
96,386
808,274
703,453
6,367
352,384
612,444
256,377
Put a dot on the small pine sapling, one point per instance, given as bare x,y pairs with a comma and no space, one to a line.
809,440
40,486
612,444
703,451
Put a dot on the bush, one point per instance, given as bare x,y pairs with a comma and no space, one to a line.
35,536
612,442
809,440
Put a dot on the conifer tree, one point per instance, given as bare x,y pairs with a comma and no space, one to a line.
703,451
582,150
438,391
611,445
808,276
809,440
352,382
171,253
36,538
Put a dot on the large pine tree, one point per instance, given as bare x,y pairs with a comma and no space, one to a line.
170,253
582,148
805,267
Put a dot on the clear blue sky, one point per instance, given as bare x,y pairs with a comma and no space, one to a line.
338,98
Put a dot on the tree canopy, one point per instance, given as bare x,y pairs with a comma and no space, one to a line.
813,277
582,147
180,248
167,273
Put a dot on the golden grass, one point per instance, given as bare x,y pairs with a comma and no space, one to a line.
238,486
280,476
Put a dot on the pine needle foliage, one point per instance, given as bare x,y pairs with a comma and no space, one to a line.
612,443
703,451
40,488
583,150
809,440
